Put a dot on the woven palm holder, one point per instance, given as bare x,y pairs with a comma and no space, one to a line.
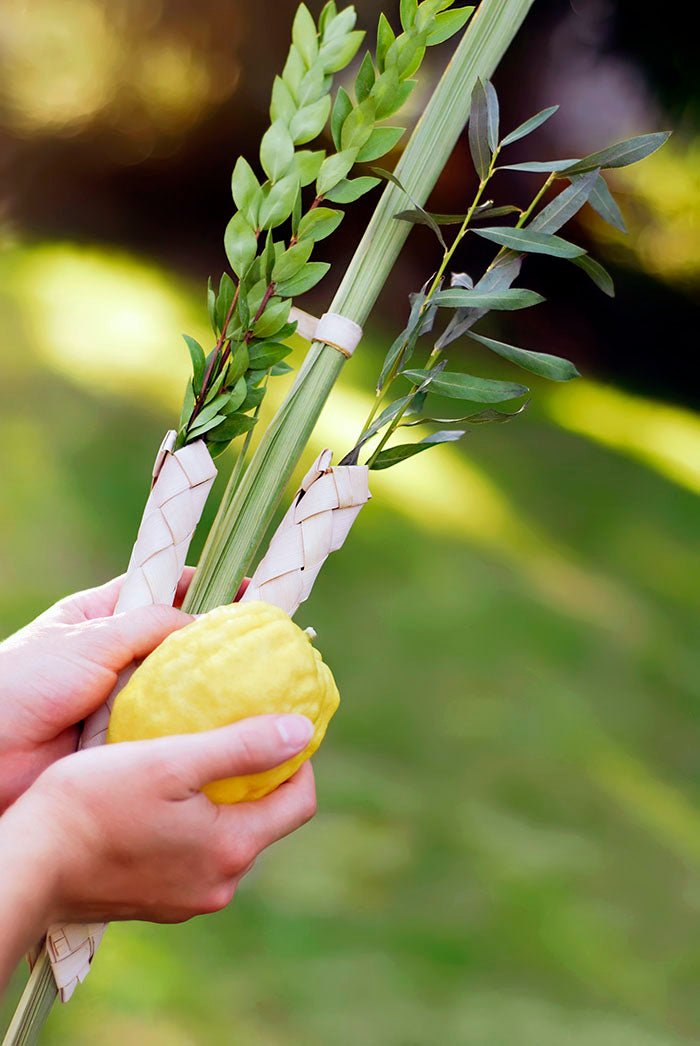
318,522
182,480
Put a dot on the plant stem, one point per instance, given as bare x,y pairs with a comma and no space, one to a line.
435,354
245,514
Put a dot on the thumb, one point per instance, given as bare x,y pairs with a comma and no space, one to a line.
107,645
246,747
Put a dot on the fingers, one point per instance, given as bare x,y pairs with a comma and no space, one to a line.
246,747
114,642
266,820
184,584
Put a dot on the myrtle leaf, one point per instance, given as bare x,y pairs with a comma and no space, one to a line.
197,356
597,272
307,278
319,223
447,24
234,425
530,241
351,189
380,142
211,306
529,126
542,363
456,385
342,107
276,150
240,243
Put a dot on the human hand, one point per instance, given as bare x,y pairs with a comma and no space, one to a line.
124,832
62,667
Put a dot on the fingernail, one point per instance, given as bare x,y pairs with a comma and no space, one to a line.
295,730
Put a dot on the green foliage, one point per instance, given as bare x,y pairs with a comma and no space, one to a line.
533,233
272,267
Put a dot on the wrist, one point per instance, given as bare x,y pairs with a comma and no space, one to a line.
29,860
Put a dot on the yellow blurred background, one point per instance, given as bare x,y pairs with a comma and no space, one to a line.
508,840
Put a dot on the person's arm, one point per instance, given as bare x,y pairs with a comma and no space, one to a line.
124,832
63,666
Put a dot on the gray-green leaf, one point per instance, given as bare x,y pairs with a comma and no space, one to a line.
529,125
622,154
468,387
597,272
531,242
542,363
503,300
393,455
479,130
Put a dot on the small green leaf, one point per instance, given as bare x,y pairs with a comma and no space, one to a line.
552,367
254,398
342,107
307,164
187,405
279,369
211,306
279,202
529,126
275,316
197,357
364,81
622,154
224,299
334,169
598,273
411,54
405,90
319,223
328,13
604,204
235,425
393,455
238,364
245,189
283,105
236,396
304,34
351,189
467,387
309,121
385,38
200,427
294,70
291,261
531,242
506,300
385,94
358,126
338,53
447,24
310,275
240,244
267,354
276,150
210,411
408,12
312,86
493,212
381,141
479,130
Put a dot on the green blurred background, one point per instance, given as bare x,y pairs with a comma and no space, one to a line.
508,840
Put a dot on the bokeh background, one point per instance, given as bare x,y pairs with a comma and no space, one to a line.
507,847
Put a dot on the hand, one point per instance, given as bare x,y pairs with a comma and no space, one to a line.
124,832
62,667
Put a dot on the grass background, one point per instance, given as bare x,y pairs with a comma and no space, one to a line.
507,847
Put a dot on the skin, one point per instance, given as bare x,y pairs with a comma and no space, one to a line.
122,831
